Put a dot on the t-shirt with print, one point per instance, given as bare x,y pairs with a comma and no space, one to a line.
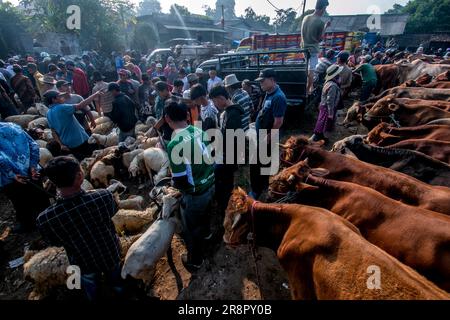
274,106
189,156
61,118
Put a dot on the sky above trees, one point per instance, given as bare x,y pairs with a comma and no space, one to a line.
337,7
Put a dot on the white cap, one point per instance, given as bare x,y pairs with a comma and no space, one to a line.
159,65
199,70
187,95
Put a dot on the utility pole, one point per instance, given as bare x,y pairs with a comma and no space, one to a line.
223,23
304,8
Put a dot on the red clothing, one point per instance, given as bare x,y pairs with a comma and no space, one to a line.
80,83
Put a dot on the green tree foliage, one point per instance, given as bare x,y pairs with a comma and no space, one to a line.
104,23
396,9
284,20
426,16
11,23
210,12
176,9
148,7
251,16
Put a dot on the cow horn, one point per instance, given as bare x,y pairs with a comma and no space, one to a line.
291,178
236,221
320,172
283,146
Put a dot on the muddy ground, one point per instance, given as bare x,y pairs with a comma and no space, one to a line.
228,274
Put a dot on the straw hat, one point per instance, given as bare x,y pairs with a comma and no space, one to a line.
333,72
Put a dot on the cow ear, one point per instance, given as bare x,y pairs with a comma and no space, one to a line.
320,172
393,107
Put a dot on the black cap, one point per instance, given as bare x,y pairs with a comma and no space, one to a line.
267,73
113,87
51,94
61,83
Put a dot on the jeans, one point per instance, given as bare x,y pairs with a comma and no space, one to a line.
195,217
224,184
91,283
366,90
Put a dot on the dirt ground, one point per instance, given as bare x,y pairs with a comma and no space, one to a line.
228,274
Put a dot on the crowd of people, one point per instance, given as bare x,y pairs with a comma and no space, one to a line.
178,97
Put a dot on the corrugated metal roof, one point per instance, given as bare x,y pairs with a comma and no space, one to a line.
391,24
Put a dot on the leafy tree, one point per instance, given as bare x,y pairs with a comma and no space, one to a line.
396,9
426,16
297,25
251,16
176,9
104,23
11,22
284,20
210,12
148,7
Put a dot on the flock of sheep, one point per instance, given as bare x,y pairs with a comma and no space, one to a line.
145,230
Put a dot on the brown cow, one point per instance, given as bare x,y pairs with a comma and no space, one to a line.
385,134
382,221
436,149
324,255
393,184
388,76
414,93
443,76
432,85
407,112
412,163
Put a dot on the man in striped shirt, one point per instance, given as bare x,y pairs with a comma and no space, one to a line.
240,97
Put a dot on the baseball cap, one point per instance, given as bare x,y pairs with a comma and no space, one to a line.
61,83
199,70
51,94
159,65
192,77
267,73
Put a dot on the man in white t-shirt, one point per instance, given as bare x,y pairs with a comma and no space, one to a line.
214,80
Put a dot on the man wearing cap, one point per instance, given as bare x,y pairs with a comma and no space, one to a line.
23,87
48,83
123,112
159,71
313,29
192,80
103,103
201,77
214,80
240,97
331,95
66,130
36,78
322,67
369,78
74,99
271,117
79,80
346,75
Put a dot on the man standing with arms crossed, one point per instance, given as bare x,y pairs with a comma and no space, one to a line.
313,29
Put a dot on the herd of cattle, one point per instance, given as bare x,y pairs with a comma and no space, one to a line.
374,202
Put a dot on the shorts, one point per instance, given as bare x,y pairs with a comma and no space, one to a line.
313,61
